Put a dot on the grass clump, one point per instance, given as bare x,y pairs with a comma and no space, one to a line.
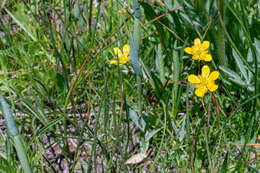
83,105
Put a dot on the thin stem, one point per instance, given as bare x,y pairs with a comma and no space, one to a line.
207,147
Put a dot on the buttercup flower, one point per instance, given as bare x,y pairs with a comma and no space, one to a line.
122,11
121,58
205,81
199,50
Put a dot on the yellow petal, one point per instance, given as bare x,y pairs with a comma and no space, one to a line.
123,61
212,86
122,11
127,58
214,75
205,45
196,57
126,49
188,50
193,79
198,85
117,52
123,58
201,91
114,62
207,57
205,71
197,41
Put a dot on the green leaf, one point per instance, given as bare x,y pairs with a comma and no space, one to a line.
233,76
137,34
7,113
257,46
147,73
182,131
175,128
22,154
61,82
134,59
149,135
139,122
160,63
12,129
137,9
240,65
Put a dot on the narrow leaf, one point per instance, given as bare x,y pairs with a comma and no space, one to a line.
137,10
12,129
134,59
233,76
176,130
240,65
137,34
135,118
22,154
160,63
7,113
181,136
149,135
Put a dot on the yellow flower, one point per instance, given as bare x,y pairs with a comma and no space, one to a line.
199,50
121,58
205,81
122,11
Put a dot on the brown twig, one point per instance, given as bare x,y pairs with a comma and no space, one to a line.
218,106
121,37
162,15
175,82
174,33
248,145
196,29
88,112
29,69
209,24
233,108
203,105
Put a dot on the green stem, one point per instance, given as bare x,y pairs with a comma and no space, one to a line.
207,147
221,35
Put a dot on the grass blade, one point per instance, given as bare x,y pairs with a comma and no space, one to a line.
12,129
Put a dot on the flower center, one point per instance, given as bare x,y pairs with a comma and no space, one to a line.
203,80
197,50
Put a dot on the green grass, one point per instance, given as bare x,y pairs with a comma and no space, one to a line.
76,112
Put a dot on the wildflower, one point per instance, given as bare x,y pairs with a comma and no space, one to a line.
199,50
122,11
121,58
205,81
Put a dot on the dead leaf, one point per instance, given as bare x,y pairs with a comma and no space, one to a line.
135,159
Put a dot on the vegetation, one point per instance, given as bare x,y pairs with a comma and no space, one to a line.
129,86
